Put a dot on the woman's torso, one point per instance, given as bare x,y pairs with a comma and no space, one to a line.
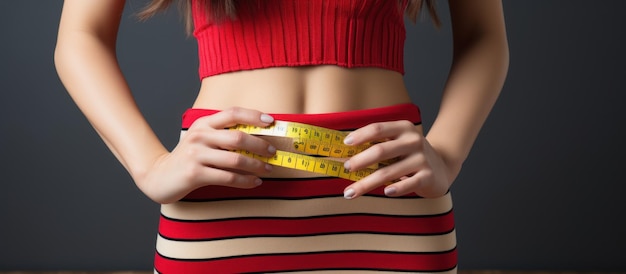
301,224
269,57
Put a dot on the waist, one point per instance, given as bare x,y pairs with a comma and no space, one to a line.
313,89
344,121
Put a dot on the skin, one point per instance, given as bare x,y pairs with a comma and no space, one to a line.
86,63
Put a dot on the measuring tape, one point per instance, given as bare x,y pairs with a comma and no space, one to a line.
311,140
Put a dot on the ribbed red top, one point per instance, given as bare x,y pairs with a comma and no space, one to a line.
275,33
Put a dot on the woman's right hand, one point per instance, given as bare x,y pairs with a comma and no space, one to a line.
204,157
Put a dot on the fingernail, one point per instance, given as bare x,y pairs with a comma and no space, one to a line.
268,167
390,191
349,193
271,149
348,140
266,118
346,165
258,182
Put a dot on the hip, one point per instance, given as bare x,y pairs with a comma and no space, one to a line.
305,225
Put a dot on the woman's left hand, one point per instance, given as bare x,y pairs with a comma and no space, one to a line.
420,168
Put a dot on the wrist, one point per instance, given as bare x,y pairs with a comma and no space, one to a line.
452,160
141,168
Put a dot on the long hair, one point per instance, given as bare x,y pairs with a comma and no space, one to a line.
222,9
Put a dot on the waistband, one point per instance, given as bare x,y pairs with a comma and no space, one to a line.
344,120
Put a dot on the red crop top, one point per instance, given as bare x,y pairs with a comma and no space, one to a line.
346,33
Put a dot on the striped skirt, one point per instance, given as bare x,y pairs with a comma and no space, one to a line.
305,225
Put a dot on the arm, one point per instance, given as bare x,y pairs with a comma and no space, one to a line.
478,71
86,63
429,165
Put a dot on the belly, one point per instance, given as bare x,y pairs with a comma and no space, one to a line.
302,90
315,89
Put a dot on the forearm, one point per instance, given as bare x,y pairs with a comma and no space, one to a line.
88,68
475,80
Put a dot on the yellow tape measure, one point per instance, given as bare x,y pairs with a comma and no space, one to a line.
310,140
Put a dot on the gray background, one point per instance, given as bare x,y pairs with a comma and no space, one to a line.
541,190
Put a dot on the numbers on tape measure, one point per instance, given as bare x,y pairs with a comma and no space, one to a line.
310,140
311,164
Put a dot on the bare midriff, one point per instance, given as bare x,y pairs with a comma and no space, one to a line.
302,90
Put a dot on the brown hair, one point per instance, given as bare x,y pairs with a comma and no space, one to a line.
221,9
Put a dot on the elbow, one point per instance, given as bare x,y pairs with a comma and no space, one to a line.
57,57
62,54
488,51
497,42
494,49
504,57
60,59
505,54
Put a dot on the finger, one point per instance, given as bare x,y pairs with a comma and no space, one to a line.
406,185
213,176
233,161
422,183
378,131
384,151
230,140
233,116
383,176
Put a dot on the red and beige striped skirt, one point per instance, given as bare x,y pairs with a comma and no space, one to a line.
303,225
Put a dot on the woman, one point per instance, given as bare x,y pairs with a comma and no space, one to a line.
264,61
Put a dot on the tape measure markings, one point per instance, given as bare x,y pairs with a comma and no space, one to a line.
308,139
311,164
312,140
